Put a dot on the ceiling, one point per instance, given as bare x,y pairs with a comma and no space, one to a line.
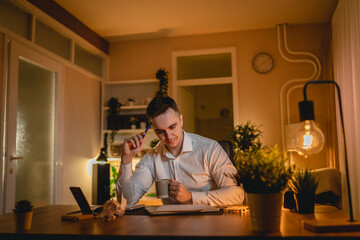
120,20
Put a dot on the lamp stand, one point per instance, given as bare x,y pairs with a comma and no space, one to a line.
338,224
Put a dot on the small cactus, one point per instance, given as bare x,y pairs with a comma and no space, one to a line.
23,206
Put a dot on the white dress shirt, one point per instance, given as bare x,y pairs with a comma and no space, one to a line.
203,167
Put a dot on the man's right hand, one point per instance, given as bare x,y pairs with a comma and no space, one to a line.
131,147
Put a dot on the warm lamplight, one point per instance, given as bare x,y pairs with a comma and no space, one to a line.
309,139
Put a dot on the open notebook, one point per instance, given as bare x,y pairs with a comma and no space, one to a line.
183,209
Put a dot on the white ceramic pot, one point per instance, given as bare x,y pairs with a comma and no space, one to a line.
265,211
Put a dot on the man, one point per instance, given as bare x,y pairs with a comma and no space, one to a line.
199,169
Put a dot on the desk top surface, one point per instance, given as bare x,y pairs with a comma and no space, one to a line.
47,221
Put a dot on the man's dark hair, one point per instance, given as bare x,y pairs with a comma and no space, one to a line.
159,105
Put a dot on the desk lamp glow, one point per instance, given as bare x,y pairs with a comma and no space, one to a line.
310,140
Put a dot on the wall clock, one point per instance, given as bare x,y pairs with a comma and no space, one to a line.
263,62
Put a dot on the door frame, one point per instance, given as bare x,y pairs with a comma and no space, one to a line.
15,52
233,80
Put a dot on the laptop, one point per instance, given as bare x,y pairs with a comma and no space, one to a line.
82,202
87,209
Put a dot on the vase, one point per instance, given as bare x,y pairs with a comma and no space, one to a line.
265,211
305,203
23,221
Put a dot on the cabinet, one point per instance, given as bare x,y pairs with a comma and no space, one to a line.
142,91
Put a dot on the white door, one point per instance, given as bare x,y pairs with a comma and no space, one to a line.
33,128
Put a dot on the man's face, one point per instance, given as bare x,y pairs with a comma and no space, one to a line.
168,128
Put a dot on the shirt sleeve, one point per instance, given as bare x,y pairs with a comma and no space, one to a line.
223,171
134,185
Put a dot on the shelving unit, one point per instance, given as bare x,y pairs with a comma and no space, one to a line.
143,91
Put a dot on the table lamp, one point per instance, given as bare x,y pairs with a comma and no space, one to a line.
309,139
101,179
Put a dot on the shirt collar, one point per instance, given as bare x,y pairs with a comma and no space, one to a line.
186,147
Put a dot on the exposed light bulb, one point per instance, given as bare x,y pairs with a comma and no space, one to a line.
309,139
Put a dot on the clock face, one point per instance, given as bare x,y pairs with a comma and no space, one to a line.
263,63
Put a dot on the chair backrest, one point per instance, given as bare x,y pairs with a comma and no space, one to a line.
227,146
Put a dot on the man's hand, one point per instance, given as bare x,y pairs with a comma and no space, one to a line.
179,193
131,147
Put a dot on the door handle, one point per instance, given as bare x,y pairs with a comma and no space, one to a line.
12,158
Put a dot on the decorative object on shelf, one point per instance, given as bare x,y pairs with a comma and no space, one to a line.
162,75
263,173
306,111
116,150
131,101
303,183
263,63
23,215
133,121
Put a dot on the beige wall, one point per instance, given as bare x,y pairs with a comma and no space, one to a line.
258,93
2,99
81,131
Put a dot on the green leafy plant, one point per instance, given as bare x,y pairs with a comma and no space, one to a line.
114,174
23,206
114,106
113,117
262,171
162,75
246,136
303,182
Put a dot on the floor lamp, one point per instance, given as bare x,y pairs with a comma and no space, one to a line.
306,110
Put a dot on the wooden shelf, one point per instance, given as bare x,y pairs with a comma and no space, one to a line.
135,107
127,131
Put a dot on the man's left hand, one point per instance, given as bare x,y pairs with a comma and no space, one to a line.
179,193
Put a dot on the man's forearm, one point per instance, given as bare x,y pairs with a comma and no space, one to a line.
231,195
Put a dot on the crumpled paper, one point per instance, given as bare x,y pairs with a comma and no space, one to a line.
113,209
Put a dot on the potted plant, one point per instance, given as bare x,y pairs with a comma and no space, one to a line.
245,136
23,215
131,101
264,174
303,183
133,121
162,75
113,113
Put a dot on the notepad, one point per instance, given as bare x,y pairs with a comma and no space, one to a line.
180,208
183,209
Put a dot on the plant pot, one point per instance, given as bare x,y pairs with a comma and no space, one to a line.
133,126
23,221
305,203
265,211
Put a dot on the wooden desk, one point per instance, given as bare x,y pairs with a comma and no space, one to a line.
48,225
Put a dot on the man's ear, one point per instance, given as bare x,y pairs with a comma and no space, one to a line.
181,120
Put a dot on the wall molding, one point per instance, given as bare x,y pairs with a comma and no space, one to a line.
61,15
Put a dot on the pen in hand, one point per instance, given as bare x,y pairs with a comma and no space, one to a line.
146,130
